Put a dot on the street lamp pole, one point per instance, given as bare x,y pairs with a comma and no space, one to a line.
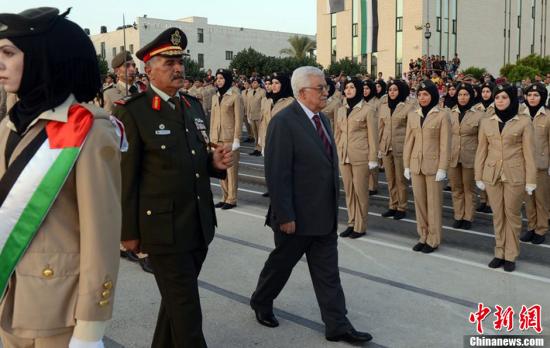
428,35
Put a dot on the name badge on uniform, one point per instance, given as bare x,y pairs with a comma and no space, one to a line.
201,127
163,132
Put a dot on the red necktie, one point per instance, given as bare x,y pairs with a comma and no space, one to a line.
322,135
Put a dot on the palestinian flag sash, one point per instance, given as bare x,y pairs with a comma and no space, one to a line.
32,182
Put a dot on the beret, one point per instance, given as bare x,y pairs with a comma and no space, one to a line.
121,58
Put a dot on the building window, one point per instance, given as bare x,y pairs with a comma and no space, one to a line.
228,55
200,60
132,48
454,26
333,32
354,30
200,35
399,24
373,65
398,70
114,51
438,24
122,49
103,52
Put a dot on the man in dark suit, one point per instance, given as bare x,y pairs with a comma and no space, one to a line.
301,167
166,197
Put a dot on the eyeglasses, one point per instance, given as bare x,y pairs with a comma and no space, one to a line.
320,89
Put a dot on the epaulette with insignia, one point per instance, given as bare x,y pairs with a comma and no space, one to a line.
129,98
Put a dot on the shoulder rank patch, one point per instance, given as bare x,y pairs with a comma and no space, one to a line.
156,103
129,98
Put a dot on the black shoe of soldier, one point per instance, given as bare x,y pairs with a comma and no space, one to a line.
389,213
509,266
228,206
496,263
400,215
488,210
427,249
373,192
527,236
418,246
481,208
355,235
457,224
466,225
538,239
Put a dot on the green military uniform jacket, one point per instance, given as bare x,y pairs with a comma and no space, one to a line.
166,196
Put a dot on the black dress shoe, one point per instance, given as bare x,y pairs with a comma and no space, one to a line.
538,239
351,336
219,204
488,210
373,192
466,225
400,215
496,263
447,188
457,224
265,194
418,246
509,266
355,235
347,232
266,318
481,207
227,206
527,236
389,213
145,264
428,249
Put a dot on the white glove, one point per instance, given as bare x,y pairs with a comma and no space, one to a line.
236,145
372,165
407,173
263,155
480,185
380,157
76,343
440,175
529,188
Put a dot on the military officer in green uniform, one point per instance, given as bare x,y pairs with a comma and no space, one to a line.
166,197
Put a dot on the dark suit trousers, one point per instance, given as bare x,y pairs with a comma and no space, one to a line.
322,259
179,323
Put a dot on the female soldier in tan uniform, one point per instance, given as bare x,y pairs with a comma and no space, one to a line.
464,127
392,124
487,100
505,167
537,205
372,93
426,159
356,140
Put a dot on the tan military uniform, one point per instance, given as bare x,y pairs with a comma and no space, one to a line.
268,112
391,134
111,95
538,204
505,162
373,175
356,140
254,109
427,149
207,93
330,111
461,168
226,127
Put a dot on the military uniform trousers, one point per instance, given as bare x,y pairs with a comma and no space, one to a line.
11,341
322,260
255,128
463,192
397,184
179,323
537,204
373,179
428,195
248,126
230,183
483,197
506,200
357,194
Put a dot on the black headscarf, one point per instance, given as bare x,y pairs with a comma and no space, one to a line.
331,86
268,94
286,88
372,88
228,77
430,87
58,62
358,93
404,92
541,90
383,91
450,101
471,102
477,89
491,87
512,109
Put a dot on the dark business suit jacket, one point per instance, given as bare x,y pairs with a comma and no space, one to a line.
302,180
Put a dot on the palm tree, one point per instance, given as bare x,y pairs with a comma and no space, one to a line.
300,46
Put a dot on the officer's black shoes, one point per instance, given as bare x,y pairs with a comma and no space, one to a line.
418,246
265,194
538,239
509,266
255,153
351,336
527,236
400,215
481,208
457,224
129,255
145,264
466,225
355,235
389,213
488,210
428,249
347,232
496,263
373,192
266,318
219,204
228,206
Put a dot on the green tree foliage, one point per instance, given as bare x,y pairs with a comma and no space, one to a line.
526,67
192,69
346,66
300,47
249,60
520,72
475,72
542,64
103,66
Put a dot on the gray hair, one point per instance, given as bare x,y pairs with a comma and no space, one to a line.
301,76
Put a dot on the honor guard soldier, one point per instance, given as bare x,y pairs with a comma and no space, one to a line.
166,197
125,70
254,112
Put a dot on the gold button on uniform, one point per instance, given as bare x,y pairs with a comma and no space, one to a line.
103,303
163,147
149,212
197,175
193,152
108,285
106,294
47,272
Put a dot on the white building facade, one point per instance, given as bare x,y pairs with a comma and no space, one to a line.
212,46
